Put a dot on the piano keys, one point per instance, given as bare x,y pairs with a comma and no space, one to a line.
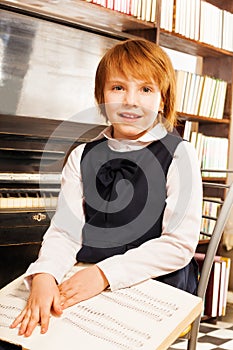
27,200
29,197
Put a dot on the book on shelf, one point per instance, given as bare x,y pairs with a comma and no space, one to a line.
148,10
187,95
216,293
189,128
213,290
222,289
227,35
199,146
192,94
226,280
153,11
197,94
166,19
181,78
149,315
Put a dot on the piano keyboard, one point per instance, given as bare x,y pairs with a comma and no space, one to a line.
29,190
27,200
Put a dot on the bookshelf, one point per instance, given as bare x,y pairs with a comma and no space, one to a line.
217,62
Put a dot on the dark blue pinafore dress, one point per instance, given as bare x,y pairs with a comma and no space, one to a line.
124,202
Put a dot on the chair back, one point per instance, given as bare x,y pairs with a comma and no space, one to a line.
213,244
215,236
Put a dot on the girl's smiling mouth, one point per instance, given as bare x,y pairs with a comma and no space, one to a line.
129,116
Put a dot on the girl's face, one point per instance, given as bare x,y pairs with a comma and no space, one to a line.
131,105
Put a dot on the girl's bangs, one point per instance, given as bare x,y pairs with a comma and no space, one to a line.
129,67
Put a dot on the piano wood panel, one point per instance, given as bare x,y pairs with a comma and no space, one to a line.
33,145
22,227
41,128
31,149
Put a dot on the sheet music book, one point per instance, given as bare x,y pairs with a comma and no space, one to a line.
147,316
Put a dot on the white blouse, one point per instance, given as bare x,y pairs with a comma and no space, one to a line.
156,257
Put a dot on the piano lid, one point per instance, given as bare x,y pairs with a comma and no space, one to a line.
31,145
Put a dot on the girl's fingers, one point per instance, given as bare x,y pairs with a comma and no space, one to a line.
69,302
24,323
18,319
44,320
28,320
69,299
31,320
56,307
31,325
66,294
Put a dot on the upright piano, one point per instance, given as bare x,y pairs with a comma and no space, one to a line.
32,154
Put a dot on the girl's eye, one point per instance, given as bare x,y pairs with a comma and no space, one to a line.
146,89
117,87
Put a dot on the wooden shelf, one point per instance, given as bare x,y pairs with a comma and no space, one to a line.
82,14
214,179
191,117
203,241
222,4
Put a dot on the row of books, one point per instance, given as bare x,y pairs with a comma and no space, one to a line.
144,10
210,211
200,95
216,26
195,19
187,18
212,151
200,20
216,293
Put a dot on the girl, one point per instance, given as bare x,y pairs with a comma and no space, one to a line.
130,201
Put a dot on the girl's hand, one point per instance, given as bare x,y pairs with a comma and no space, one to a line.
83,285
44,299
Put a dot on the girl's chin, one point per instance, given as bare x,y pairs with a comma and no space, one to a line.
128,131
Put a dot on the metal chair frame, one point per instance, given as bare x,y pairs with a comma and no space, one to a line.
210,254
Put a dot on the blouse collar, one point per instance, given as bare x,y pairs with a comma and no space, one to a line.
156,133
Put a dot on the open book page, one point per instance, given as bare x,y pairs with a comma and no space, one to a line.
148,316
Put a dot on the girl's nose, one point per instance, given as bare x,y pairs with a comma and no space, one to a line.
131,98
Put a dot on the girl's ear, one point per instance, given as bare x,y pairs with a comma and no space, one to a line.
161,106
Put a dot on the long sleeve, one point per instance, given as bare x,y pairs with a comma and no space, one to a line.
63,238
180,231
